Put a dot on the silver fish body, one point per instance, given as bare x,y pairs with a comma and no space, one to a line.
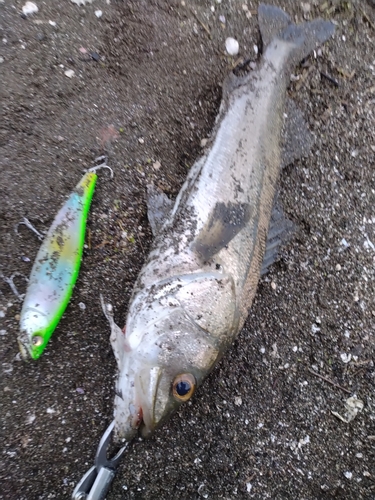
195,289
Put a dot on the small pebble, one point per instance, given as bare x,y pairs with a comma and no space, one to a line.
273,285
98,13
222,19
232,46
1,59
345,358
141,140
315,329
29,8
69,73
238,401
7,368
306,7
203,142
30,419
80,390
256,50
81,2
344,243
52,23
82,306
348,475
338,267
95,56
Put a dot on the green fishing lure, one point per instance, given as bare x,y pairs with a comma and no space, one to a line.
55,270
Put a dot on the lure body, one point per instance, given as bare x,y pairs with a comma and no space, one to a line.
55,270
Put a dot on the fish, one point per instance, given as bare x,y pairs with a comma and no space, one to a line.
195,289
55,270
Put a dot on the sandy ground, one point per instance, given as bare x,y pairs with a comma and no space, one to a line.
146,92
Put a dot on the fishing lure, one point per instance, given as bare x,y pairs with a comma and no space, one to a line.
55,269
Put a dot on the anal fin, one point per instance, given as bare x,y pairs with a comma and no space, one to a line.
297,139
279,232
159,206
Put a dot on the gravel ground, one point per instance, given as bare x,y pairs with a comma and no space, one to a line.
146,89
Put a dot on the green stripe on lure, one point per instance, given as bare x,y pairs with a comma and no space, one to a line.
55,270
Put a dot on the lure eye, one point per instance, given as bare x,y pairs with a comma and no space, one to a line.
183,387
37,340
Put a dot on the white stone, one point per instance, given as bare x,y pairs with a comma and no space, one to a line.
30,8
345,358
232,46
81,2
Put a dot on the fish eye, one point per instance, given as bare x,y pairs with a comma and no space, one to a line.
183,386
37,340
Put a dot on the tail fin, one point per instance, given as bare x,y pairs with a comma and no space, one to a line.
274,23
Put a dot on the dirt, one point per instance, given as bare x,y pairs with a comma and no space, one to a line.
146,92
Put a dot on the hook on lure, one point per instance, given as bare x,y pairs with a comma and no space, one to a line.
95,484
102,165
28,224
13,287
56,268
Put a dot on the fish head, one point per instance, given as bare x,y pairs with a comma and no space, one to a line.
165,357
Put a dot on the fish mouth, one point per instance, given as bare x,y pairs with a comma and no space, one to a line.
146,385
